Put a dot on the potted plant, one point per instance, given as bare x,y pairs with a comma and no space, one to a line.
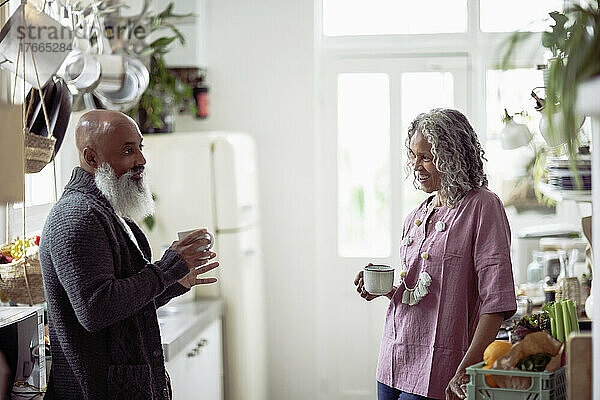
573,40
154,112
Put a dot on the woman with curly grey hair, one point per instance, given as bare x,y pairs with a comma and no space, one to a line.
456,283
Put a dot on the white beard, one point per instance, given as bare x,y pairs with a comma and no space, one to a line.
129,198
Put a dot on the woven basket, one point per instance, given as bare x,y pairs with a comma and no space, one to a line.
22,288
39,151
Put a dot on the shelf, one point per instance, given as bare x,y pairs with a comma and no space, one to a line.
588,101
562,195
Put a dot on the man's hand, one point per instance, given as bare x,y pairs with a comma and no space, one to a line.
188,249
196,260
456,387
192,279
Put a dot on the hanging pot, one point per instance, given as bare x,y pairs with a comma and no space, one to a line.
43,37
135,83
112,76
82,71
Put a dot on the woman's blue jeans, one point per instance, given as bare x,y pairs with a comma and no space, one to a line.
385,392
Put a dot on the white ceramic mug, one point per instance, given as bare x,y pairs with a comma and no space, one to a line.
378,279
208,235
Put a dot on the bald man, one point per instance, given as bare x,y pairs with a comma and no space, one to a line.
102,289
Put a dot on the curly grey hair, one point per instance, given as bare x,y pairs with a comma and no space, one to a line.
457,153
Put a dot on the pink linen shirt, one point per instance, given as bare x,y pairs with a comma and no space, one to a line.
469,263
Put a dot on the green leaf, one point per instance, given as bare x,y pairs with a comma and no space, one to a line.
149,221
168,13
560,20
177,33
162,42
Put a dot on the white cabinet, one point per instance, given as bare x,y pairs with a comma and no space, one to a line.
197,371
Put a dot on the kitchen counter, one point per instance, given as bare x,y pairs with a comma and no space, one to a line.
182,322
179,323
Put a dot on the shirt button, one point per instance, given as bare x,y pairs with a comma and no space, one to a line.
166,392
156,353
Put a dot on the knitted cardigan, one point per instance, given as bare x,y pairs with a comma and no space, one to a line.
102,296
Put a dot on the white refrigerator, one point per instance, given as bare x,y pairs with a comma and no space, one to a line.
209,179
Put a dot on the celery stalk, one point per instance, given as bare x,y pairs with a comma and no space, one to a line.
566,317
560,327
552,313
574,319
553,325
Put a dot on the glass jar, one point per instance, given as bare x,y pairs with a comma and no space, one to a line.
535,269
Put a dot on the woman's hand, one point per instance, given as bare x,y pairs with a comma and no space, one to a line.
485,333
360,288
456,388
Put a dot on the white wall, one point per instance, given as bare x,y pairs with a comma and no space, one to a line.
260,69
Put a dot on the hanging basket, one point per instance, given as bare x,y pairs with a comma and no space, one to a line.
39,151
21,280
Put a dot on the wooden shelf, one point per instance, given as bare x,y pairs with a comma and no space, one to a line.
562,195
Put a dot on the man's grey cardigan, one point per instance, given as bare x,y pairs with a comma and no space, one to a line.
102,296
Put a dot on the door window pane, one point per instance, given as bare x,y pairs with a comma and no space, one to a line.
511,89
388,17
514,15
421,91
363,165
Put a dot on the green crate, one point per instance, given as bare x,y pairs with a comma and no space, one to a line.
544,385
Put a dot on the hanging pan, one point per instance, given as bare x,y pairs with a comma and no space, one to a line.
60,114
43,38
36,118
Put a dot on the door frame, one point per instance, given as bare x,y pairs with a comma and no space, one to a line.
334,286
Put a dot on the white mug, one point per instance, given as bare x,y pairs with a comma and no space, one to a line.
208,235
378,279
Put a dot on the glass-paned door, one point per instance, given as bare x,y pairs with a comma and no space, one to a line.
364,195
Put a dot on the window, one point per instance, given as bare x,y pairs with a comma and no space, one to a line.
515,15
388,17
383,81
363,165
